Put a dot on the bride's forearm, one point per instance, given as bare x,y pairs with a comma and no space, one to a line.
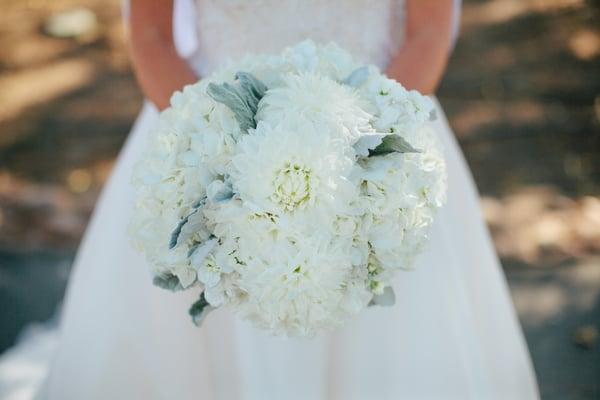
158,68
420,62
417,68
160,72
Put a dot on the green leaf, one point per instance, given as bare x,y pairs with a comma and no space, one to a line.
167,281
242,98
199,310
392,144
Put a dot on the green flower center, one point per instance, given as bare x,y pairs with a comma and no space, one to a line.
292,186
211,265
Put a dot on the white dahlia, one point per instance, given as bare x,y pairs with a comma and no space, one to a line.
299,287
295,166
319,100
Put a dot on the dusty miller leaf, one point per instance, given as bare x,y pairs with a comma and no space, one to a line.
176,234
252,88
241,98
200,309
366,143
223,192
167,281
392,144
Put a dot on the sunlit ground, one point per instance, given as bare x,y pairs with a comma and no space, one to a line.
522,93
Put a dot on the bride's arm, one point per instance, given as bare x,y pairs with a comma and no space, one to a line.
420,62
158,68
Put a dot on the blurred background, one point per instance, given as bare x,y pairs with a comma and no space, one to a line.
522,92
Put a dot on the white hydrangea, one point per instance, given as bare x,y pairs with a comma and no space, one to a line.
327,60
396,106
298,222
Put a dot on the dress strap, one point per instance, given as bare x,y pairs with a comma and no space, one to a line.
456,23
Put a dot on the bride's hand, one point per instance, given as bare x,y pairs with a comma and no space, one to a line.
420,62
158,68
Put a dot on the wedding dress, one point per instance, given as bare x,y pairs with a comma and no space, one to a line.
452,334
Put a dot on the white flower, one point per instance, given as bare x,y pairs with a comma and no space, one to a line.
209,273
397,109
186,275
319,100
214,295
199,254
329,60
422,106
396,238
298,287
294,166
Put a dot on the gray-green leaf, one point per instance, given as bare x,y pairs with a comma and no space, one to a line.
252,88
220,193
200,309
241,98
392,144
368,142
176,234
167,281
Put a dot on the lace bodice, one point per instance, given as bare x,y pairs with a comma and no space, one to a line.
371,30
209,32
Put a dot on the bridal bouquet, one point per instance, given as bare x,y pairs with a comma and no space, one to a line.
289,188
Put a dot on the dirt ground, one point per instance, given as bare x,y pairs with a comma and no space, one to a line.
522,93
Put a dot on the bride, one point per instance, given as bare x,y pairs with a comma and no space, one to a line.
453,333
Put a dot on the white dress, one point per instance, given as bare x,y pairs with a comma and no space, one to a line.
452,334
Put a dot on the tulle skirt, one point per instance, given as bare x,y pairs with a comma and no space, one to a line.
452,334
